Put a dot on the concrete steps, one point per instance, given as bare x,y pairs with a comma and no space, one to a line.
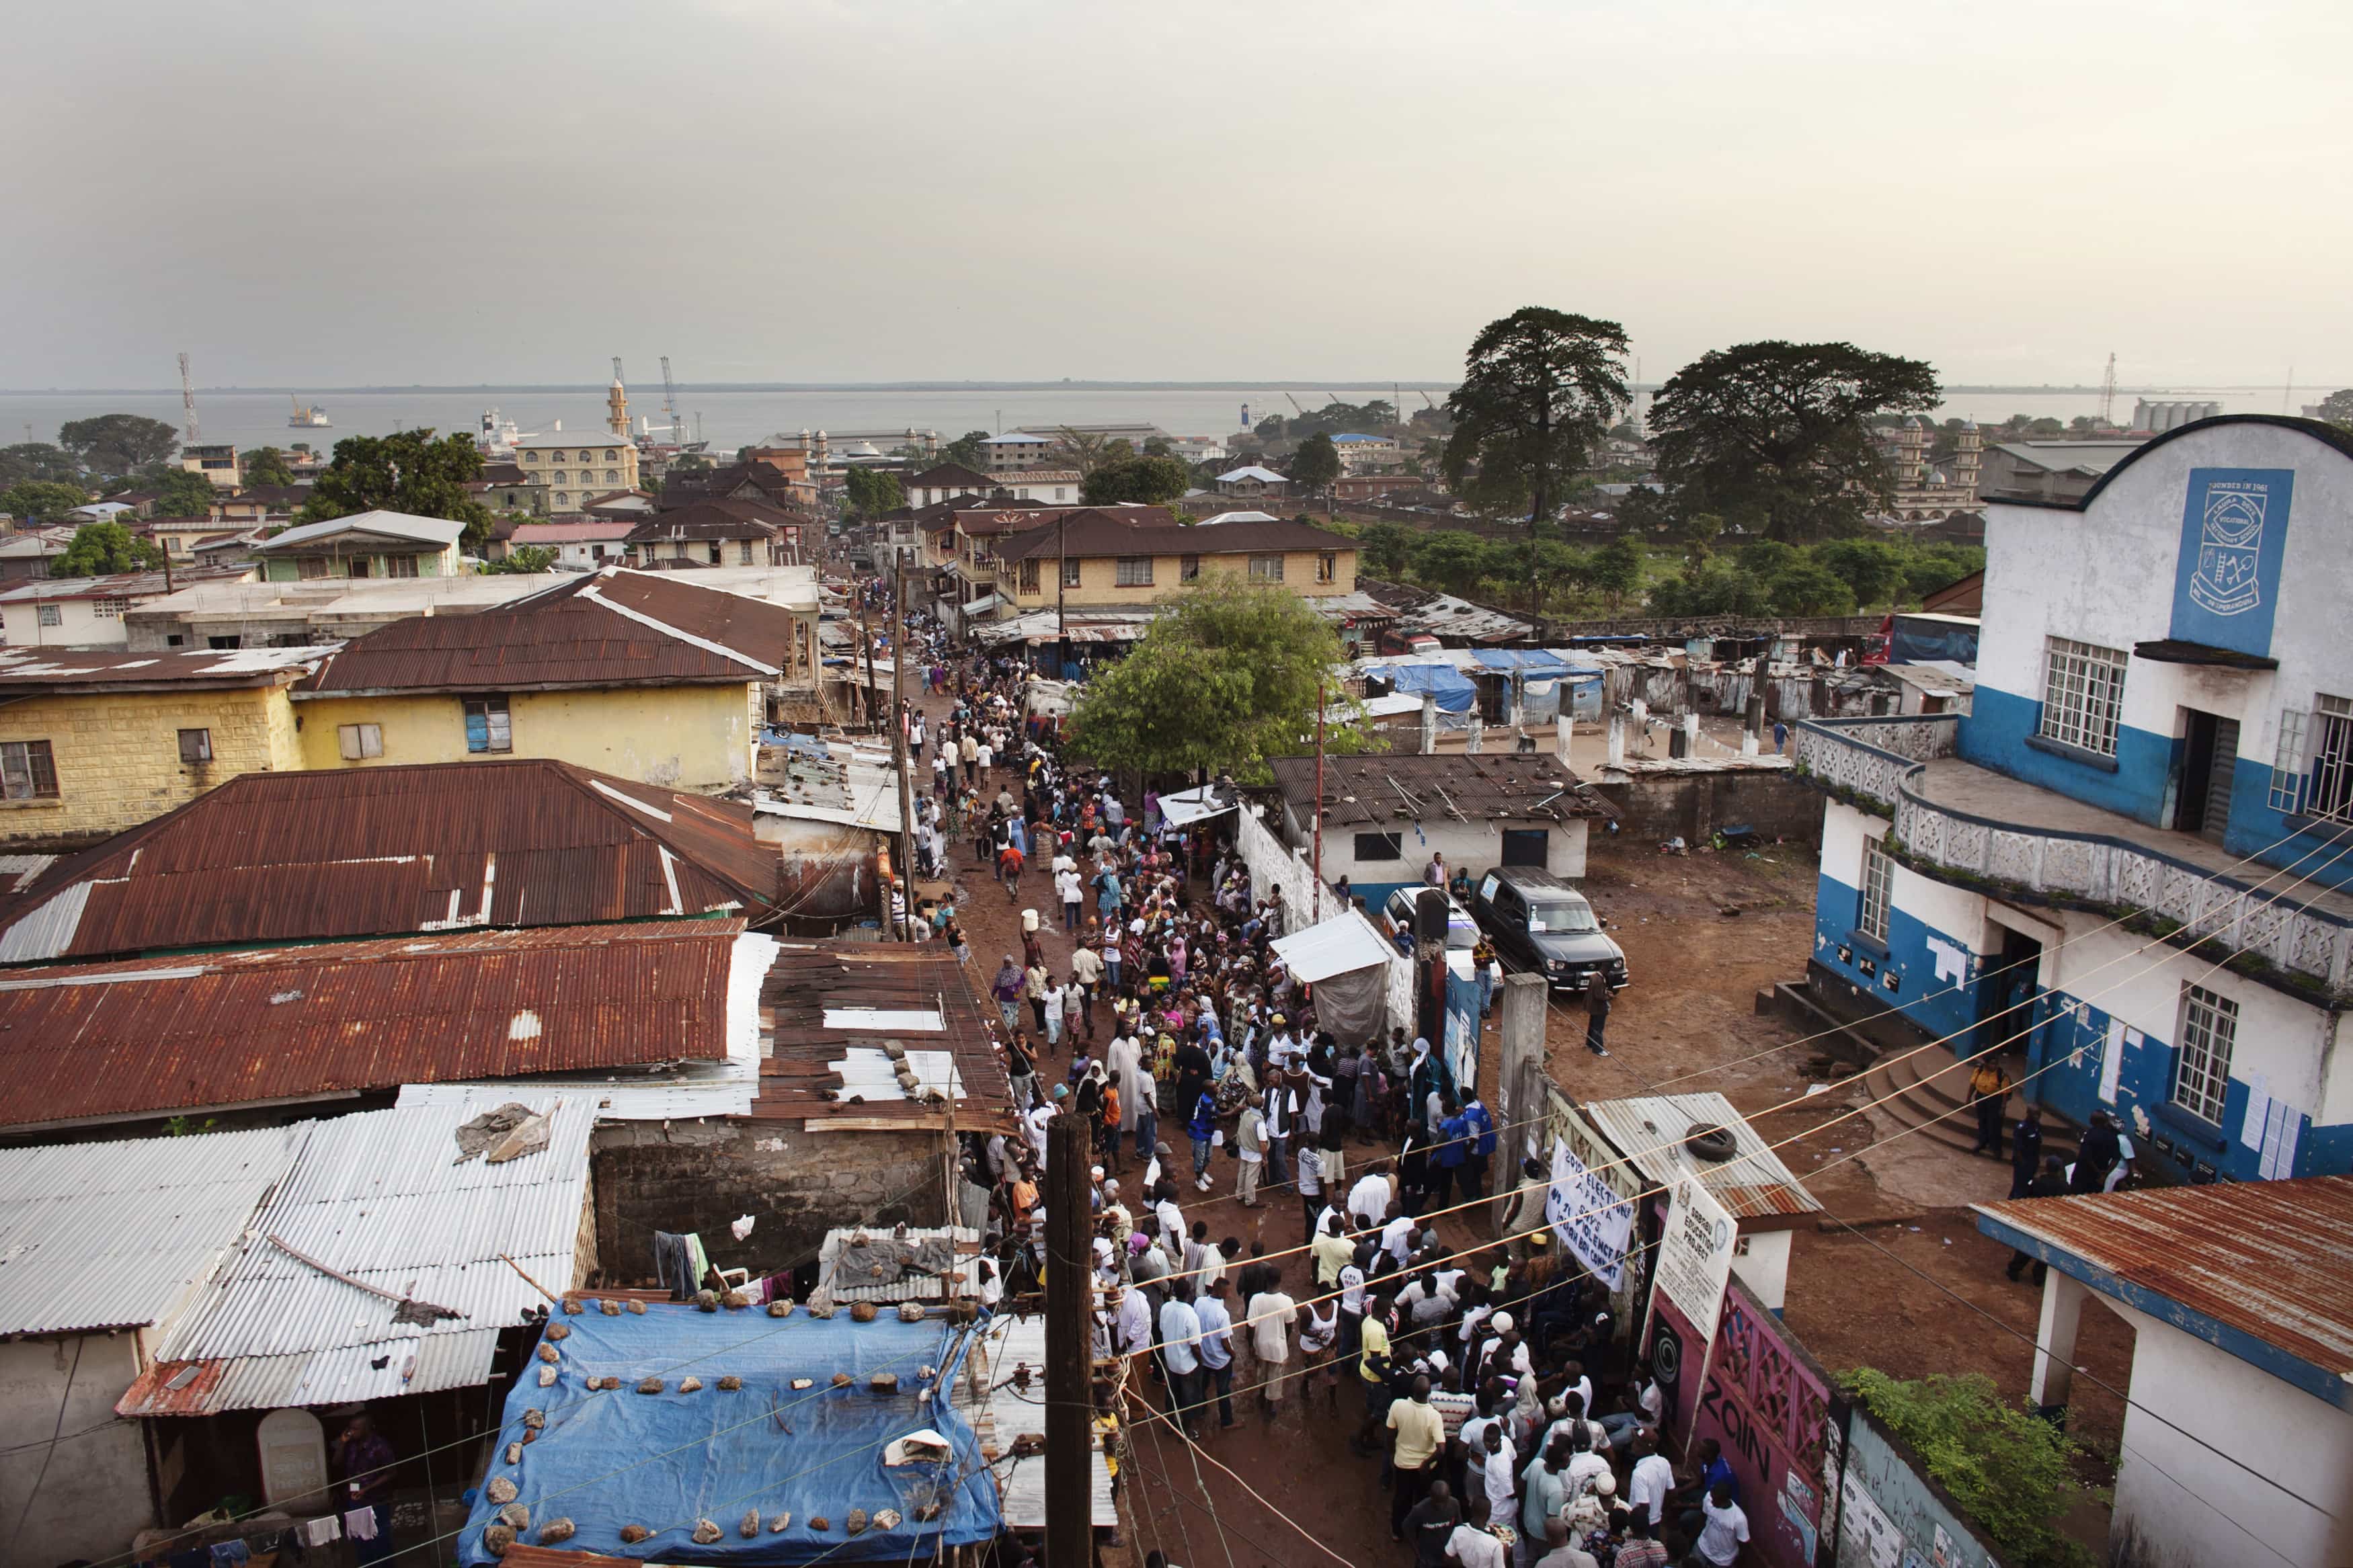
1926,1093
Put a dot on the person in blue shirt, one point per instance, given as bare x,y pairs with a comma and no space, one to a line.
1202,1128
1450,1154
1481,1130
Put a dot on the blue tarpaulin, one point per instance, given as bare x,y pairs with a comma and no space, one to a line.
666,1461
1532,662
1454,689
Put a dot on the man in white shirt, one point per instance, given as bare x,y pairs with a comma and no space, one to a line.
1180,1335
1488,1476
1271,1314
1369,1200
1652,1479
1216,1350
1473,1547
1725,1530
1397,1241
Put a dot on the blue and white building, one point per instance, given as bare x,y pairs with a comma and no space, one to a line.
2131,864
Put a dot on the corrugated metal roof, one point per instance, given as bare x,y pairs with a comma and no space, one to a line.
27,671
382,1198
1498,786
150,1037
799,1080
911,1287
1754,1184
1004,1413
405,527
109,1234
674,1091
362,852
2273,1260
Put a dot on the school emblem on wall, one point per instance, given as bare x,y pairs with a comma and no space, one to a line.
2229,580
2226,583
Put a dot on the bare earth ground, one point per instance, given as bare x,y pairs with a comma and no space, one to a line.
1885,1297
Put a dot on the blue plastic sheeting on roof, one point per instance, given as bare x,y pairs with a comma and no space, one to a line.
1533,662
1454,690
794,741
666,1461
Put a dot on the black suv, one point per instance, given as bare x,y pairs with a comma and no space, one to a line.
1541,924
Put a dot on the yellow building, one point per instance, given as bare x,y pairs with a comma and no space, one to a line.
1097,559
639,675
93,743
576,464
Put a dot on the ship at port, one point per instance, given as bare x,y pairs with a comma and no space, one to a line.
310,417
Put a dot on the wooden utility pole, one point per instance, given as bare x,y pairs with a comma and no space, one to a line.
1070,1363
898,744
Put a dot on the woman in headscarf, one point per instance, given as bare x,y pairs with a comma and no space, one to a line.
1007,989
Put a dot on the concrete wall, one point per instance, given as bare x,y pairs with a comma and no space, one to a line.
1883,1496
1653,809
2107,578
2179,1505
117,755
1476,846
1099,577
685,737
700,1176
78,626
93,1495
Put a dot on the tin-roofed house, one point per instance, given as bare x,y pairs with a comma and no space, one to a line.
92,743
364,544
1385,815
649,678
2238,1421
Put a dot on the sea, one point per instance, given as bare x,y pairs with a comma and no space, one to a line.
735,417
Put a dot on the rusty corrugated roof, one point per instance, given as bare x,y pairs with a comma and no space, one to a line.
362,852
541,642
153,1037
1650,1131
2271,1261
810,1002
738,622
29,671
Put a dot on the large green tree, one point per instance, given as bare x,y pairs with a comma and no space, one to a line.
43,500
1872,568
1225,677
524,559
99,548
1384,550
409,471
38,460
118,442
179,493
1617,572
1148,481
1315,465
1540,389
870,492
2338,408
968,450
265,466
1776,438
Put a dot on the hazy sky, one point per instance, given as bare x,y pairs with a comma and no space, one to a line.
331,193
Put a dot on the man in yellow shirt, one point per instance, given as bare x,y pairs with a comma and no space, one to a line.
1420,1433
1988,1097
1333,1253
1373,1368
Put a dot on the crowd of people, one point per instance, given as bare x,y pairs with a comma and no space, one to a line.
1486,1380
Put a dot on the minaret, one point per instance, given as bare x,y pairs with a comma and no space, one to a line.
1910,455
1970,452
616,409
